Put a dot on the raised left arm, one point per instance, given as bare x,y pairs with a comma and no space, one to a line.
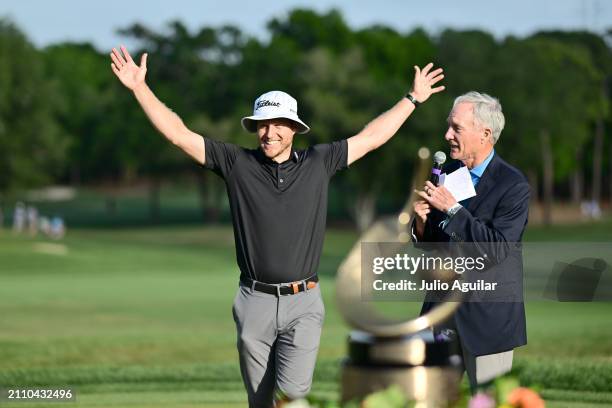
381,129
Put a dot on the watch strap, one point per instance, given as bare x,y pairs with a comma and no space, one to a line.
453,210
413,100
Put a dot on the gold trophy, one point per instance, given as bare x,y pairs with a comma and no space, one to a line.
384,351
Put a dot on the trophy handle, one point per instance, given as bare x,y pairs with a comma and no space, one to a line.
361,315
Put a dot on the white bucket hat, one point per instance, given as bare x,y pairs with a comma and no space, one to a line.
272,105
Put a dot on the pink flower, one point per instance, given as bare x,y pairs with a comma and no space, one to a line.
481,400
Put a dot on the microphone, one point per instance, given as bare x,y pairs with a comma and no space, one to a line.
439,159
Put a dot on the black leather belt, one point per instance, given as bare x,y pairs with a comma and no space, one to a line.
282,289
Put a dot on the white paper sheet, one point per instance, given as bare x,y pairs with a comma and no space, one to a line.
459,183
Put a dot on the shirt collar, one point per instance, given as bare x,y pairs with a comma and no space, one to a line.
479,170
294,157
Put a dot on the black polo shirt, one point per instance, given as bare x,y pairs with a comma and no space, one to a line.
278,210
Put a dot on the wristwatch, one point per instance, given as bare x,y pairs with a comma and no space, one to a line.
413,100
453,210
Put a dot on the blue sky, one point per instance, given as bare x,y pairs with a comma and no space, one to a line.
96,21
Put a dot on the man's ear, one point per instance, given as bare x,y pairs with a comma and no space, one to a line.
488,134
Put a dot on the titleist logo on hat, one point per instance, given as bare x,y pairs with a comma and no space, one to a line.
266,102
271,105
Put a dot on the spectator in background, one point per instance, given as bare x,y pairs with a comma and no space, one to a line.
57,229
44,225
19,217
32,220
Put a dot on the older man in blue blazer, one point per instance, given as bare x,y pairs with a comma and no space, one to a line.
487,331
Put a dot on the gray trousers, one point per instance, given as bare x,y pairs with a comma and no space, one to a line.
278,341
480,369
483,369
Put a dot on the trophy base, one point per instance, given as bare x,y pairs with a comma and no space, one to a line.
427,372
429,387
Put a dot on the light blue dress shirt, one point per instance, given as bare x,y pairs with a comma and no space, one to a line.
476,172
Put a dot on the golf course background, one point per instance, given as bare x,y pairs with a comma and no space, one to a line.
141,317
133,307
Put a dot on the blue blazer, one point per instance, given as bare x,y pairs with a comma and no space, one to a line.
496,219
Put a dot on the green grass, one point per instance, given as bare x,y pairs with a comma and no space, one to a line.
142,317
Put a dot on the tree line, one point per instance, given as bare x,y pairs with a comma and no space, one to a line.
64,118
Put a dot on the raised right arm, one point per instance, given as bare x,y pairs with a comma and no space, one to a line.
170,124
164,119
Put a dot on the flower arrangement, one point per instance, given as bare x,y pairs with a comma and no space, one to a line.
505,392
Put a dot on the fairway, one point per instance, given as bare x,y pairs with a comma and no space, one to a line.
142,317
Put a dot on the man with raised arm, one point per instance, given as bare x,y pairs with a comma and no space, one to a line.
278,201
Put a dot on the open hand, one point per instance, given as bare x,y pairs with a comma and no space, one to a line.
424,80
130,74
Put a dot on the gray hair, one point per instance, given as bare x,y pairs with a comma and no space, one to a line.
487,111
